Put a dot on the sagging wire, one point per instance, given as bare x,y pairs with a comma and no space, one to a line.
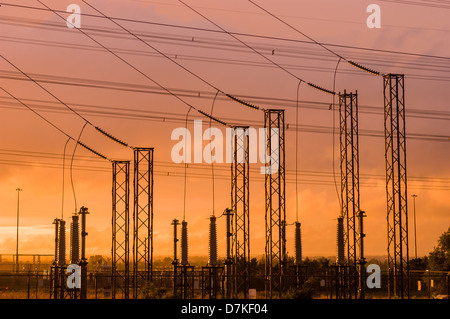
253,49
333,133
59,100
178,64
132,66
185,166
210,150
53,125
71,166
63,177
296,154
357,65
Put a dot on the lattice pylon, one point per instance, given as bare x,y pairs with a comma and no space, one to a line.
121,229
396,185
142,218
240,206
350,204
275,208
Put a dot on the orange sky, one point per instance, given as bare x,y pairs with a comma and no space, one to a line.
41,45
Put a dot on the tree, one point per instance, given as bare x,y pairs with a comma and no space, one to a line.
439,258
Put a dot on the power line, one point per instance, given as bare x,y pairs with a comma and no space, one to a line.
417,182
267,100
259,53
314,55
175,62
357,65
235,33
61,102
54,126
429,4
128,63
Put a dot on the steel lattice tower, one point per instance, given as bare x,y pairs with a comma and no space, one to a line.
275,209
142,217
240,206
396,185
121,228
350,204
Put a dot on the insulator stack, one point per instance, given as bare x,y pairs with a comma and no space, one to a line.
298,244
184,243
74,240
212,241
62,243
340,260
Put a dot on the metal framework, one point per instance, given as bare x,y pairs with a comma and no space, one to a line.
83,261
396,185
350,205
229,259
120,229
212,282
240,206
142,218
275,208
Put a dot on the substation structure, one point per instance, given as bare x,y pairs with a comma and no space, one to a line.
275,204
396,185
232,279
240,194
60,270
142,224
349,268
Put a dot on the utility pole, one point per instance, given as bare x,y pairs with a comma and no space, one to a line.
17,235
415,237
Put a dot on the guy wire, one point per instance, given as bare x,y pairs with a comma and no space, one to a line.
71,164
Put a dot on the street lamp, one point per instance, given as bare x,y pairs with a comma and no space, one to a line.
17,235
415,237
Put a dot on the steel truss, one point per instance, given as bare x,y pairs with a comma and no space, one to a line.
213,282
240,206
120,229
184,281
396,185
142,218
275,209
350,205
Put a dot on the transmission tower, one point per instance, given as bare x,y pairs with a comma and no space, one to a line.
142,217
275,191
120,229
350,206
240,207
396,185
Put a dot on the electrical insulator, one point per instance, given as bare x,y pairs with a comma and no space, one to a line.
74,240
340,242
298,244
212,241
184,243
62,243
